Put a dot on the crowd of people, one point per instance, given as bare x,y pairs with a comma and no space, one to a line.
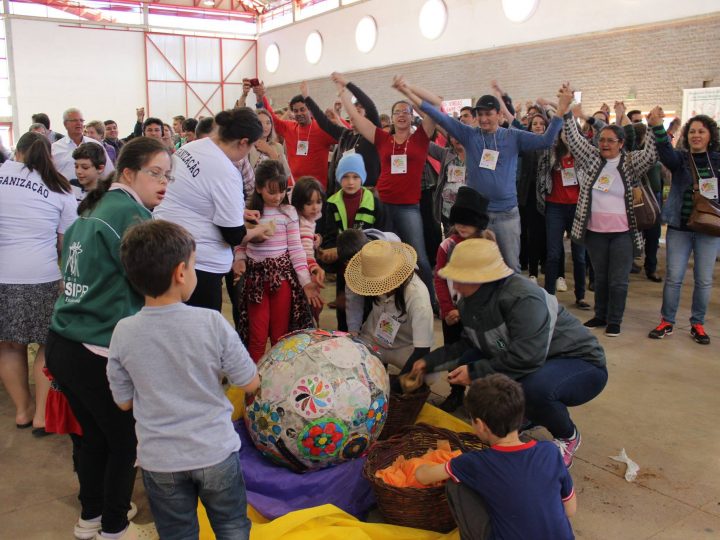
109,246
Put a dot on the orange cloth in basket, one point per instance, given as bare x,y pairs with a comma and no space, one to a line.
402,472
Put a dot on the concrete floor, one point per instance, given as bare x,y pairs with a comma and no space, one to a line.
661,404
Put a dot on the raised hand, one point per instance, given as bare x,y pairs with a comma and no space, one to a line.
338,78
565,97
655,116
246,86
605,108
399,83
304,89
259,90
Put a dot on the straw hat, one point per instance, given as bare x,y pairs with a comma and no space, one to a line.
476,261
380,267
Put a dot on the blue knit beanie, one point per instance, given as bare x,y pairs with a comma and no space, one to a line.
351,163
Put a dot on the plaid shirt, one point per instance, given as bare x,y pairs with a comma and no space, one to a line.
588,166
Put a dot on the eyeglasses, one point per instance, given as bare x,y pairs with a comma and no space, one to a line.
603,140
159,176
401,112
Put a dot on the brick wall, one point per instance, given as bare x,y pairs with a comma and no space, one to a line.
655,61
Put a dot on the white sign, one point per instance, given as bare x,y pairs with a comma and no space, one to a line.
701,101
453,106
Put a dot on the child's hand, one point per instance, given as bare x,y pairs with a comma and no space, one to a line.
453,317
312,291
238,268
460,375
317,241
329,256
419,367
318,276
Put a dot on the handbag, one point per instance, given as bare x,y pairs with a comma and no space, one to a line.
705,215
645,206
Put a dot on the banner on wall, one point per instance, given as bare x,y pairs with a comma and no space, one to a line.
452,106
701,101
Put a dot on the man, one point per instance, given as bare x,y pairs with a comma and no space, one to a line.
308,146
491,157
635,116
111,136
44,119
63,149
153,128
177,123
468,116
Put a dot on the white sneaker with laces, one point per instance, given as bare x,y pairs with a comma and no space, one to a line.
560,285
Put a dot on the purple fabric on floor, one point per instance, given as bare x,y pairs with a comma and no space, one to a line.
275,491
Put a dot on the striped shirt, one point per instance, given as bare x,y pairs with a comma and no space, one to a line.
307,238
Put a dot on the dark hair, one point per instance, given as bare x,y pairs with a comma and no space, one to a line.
92,151
190,124
151,251
240,123
473,112
108,122
541,117
349,242
267,173
560,149
498,401
710,125
632,113
399,295
37,156
134,155
618,131
392,109
296,99
153,120
605,115
41,118
303,190
205,127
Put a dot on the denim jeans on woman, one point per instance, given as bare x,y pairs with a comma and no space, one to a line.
174,496
612,257
561,383
679,245
407,223
558,220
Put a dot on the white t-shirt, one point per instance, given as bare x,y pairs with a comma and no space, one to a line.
415,326
207,194
62,151
31,217
608,213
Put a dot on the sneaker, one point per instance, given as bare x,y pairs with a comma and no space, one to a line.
568,447
595,323
533,279
661,330
87,530
698,334
130,533
654,277
582,304
612,330
560,285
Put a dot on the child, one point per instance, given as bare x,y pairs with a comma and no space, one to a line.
276,270
353,207
89,166
513,489
166,364
468,218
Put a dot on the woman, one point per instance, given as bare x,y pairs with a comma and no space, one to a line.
402,159
267,147
698,158
208,200
450,179
532,222
96,296
557,193
400,322
514,327
604,220
32,224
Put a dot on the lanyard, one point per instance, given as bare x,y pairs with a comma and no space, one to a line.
482,136
404,149
707,156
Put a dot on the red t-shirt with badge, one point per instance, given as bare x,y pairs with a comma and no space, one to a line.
401,188
563,194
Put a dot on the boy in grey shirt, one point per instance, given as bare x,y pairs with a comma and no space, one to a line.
166,364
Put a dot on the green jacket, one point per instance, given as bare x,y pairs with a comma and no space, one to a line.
97,293
369,215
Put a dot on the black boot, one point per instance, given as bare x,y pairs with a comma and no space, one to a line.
455,400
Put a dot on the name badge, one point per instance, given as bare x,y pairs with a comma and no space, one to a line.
302,148
398,164
489,159
569,177
456,174
386,329
603,183
709,188
349,152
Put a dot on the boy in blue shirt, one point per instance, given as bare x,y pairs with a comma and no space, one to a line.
513,490
166,364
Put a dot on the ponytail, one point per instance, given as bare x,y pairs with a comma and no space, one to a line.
94,195
35,149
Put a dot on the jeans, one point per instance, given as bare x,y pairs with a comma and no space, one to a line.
612,257
561,383
106,454
705,250
173,500
558,220
506,226
407,223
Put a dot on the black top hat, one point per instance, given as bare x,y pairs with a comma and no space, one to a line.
470,208
488,102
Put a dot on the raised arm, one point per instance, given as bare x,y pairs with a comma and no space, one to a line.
371,112
417,96
667,155
331,128
621,118
579,146
364,126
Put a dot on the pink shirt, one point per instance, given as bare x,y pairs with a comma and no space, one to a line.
307,238
608,213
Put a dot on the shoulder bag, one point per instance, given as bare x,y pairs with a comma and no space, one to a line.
705,215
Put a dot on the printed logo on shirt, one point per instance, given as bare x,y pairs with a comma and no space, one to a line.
72,262
500,344
37,187
74,291
190,162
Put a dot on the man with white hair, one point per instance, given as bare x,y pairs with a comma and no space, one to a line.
63,149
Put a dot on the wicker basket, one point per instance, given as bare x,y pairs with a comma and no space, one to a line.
421,508
403,409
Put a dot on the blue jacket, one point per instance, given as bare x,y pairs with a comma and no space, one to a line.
678,162
499,185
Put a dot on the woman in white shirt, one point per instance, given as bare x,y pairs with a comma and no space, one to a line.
36,207
207,199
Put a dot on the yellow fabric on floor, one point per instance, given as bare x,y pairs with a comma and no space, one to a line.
328,522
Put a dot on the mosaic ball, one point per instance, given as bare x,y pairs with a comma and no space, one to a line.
323,400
